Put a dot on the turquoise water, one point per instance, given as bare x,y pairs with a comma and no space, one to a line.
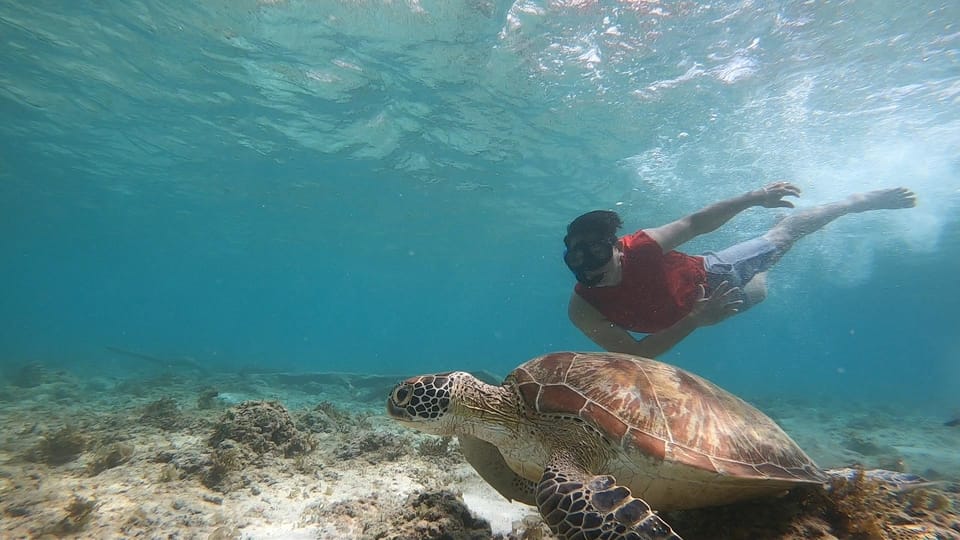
383,186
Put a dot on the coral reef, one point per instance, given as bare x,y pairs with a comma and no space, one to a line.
263,427
374,446
441,515
861,508
348,472
854,509
438,515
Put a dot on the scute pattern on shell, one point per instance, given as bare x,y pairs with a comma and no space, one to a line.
663,412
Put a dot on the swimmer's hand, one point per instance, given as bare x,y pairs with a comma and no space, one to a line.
724,303
771,195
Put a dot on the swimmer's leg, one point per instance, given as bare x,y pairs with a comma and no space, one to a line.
797,225
755,291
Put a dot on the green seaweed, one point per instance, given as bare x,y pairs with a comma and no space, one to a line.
59,447
110,456
78,514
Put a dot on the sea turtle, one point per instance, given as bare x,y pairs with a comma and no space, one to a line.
594,440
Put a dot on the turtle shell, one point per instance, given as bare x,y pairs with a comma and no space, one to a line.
659,411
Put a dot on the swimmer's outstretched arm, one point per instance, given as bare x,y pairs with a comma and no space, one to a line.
710,218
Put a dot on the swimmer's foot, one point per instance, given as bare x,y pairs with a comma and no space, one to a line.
883,199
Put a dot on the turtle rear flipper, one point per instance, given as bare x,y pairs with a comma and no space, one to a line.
575,504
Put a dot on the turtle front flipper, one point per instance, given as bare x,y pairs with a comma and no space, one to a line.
489,463
575,504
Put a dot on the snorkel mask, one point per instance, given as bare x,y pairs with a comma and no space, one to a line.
588,255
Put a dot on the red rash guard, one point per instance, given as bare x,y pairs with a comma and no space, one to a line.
657,290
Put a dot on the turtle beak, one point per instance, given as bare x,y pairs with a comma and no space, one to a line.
397,413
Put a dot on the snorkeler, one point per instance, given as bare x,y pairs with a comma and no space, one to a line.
639,283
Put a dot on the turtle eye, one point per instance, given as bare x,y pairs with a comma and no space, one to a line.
402,394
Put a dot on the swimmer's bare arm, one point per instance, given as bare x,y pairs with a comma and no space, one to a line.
710,218
611,337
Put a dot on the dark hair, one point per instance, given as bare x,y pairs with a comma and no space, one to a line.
595,224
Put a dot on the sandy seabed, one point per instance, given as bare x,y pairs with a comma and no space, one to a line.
307,456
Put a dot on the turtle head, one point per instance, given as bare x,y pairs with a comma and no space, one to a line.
424,403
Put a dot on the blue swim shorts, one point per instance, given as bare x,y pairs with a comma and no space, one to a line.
738,264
